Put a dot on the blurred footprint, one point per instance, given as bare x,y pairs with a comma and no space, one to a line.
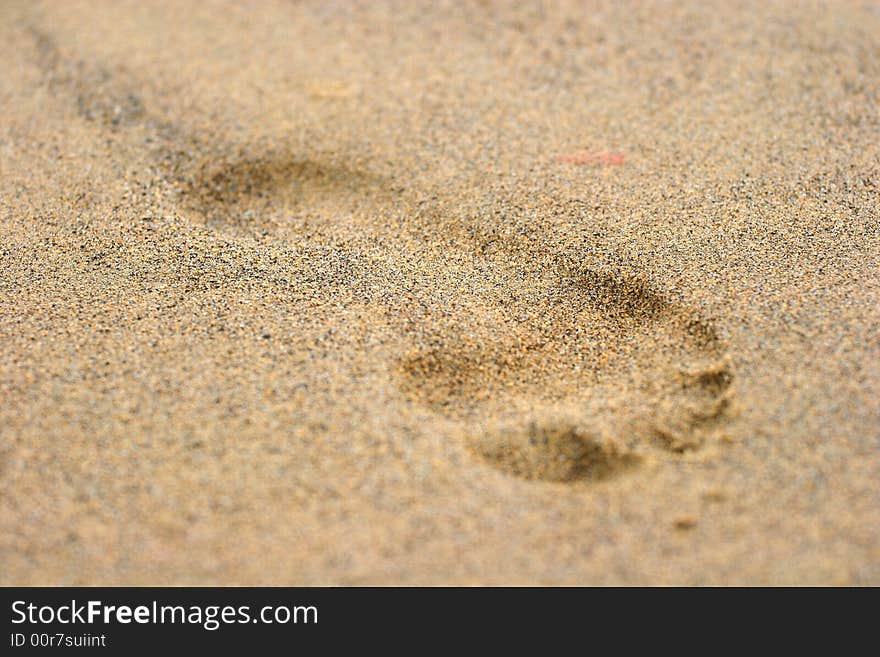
258,192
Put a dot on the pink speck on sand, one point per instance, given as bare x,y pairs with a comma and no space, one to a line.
601,158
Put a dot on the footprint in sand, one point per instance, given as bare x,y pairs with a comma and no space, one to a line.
584,375
582,372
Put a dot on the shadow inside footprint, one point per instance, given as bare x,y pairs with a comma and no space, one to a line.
252,191
552,448
632,369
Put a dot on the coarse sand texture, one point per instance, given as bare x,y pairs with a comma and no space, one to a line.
301,293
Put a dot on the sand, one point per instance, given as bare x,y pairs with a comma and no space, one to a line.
439,293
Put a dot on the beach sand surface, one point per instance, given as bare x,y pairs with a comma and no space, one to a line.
303,293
